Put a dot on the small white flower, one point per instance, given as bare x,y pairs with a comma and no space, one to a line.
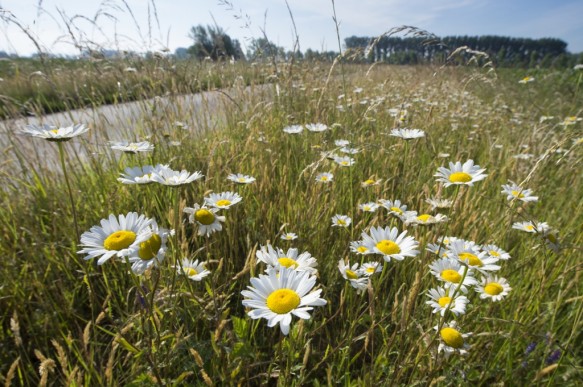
390,244
293,129
368,207
440,301
341,143
140,175
407,134
318,127
344,161
493,287
171,177
353,275
514,192
531,226
289,236
458,174
439,203
193,269
369,268
240,178
223,200
206,219
54,134
341,221
132,147
324,177
452,340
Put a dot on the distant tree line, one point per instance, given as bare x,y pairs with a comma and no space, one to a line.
503,51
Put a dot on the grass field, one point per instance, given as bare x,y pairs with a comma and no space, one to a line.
138,319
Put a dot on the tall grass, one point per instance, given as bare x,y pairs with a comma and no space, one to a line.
69,321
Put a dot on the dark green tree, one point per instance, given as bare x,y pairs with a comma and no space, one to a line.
214,43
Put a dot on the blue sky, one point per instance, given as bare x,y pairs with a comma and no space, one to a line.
247,18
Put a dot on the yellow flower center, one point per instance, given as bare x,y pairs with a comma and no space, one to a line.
370,269
397,210
388,247
529,227
424,217
350,274
204,216
444,301
460,177
119,240
55,131
190,271
451,276
241,180
452,338
369,182
223,202
493,289
517,194
362,249
345,163
287,262
341,222
324,178
471,259
149,248
282,301
494,253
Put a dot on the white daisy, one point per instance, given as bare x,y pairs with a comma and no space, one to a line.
152,251
358,247
439,203
353,275
496,252
437,249
571,120
293,129
350,151
318,127
341,143
452,340
493,287
514,192
473,257
458,174
289,236
411,217
369,268
341,221
407,134
344,161
441,301
368,207
531,226
390,244
140,175
276,296
223,200
453,274
132,147
277,258
171,177
52,133
526,79
119,237
193,269
370,182
324,177
394,207
206,219
240,178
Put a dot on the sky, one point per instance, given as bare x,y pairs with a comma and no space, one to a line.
132,24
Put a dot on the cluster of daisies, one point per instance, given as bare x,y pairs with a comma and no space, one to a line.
286,288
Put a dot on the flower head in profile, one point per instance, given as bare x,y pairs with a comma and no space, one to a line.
140,175
132,147
358,247
394,207
324,177
277,296
240,178
407,134
318,127
439,203
493,287
458,174
293,129
411,217
353,275
571,120
452,340
171,177
194,270
526,79
496,252
440,300
341,220
369,268
341,143
370,182
205,218
55,134
344,161
151,252
116,237
531,226
223,200
350,151
514,192
368,207
390,244
289,236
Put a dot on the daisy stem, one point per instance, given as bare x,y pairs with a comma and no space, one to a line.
64,166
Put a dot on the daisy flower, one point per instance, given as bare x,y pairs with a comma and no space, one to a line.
350,151
206,219
353,275
324,177
52,133
394,207
368,207
440,301
358,247
344,161
437,249
370,182
514,191
526,79
151,252
277,296
276,258
193,269
223,200
289,236
452,340
451,272
140,175
293,129
571,120
171,177
317,127
496,252
390,244
369,268
119,237
532,227
341,221
411,217
475,259
458,174
439,203
132,147
240,178
341,143
493,287
407,134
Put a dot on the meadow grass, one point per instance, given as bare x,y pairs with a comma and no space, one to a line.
70,321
